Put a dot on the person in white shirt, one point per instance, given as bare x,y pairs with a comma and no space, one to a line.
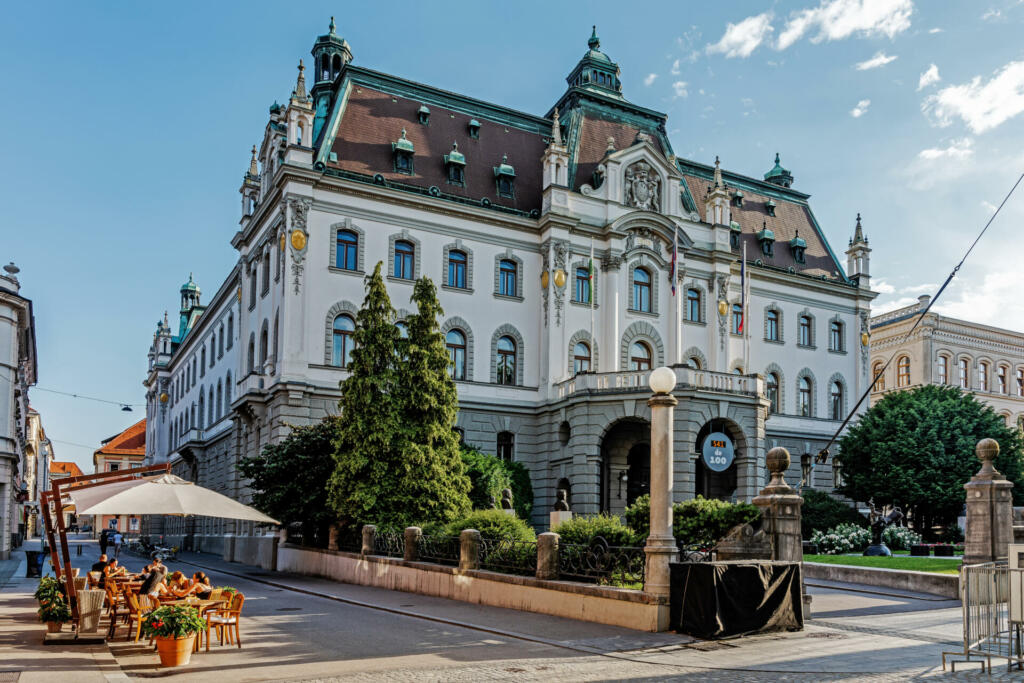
118,540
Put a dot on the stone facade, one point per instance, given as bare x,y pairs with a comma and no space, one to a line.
330,192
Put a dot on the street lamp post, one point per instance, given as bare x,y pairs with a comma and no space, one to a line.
661,543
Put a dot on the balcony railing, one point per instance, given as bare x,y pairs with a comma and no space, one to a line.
686,378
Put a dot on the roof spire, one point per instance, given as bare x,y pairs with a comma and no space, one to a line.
253,169
718,173
556,130
594,41
300,83
332,27
858,233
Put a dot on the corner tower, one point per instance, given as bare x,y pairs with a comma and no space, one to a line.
596,71
330,53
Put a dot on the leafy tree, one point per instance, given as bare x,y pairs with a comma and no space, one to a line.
821,511
488,475
288,477
522,489
915,448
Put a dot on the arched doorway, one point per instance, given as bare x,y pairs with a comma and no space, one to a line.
625,464
708,482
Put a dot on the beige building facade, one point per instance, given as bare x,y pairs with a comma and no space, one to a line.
985,360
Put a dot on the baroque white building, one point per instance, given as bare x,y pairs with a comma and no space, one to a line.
503,210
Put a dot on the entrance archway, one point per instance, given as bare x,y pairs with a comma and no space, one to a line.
625,464
707,482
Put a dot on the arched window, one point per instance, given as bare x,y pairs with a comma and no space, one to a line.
803,397
266,271
506,369
252,353
580,358
639,356
220,400
209,409
507,278
804,326
583,285
252,286
346,255
903,371
771,332
641,290
694,363
202,405
771,384
231,329
943,369
227,391
202,362
341,350
965,370
693,305
405,255
455,341
983,376
264,347
836,401
457,269
835,336
506,444
1020,381
298,133
1001,378
737,319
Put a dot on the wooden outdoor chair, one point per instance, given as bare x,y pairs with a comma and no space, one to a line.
121,609
226,620
93,579
115,601
135,615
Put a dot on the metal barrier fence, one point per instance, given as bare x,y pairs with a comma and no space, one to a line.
601,563
389,543
992,599
439,549
509,556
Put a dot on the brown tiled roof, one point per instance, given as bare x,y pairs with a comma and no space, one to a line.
593,143
790,218
131,441
68,469
373,120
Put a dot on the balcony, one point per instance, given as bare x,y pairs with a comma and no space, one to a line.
686,378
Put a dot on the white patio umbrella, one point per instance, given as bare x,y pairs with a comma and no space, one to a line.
162,495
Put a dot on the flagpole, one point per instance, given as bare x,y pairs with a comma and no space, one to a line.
676,299
593,341
745,287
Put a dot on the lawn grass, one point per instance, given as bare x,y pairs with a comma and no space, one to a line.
917,564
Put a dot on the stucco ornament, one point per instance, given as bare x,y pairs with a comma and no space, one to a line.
643,187
300,210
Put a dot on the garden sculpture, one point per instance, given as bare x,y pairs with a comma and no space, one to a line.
879,523
562,505
506,499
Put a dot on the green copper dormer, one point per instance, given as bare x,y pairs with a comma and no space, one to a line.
455,165
474,129
737,198
402,151
505,177
769,207
734,234
596,71
766,238
778,175
798,246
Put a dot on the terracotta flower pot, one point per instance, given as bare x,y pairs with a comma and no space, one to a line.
175,651
54,626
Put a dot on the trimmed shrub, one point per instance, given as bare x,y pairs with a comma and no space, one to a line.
493,524
821,511
700,521
845,538
900,538
582,530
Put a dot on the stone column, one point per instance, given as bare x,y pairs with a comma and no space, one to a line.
989,509
369,532
661,543
547,555
412,543
332,537
780,516
469,549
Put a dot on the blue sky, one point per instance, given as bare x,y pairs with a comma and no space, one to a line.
128,129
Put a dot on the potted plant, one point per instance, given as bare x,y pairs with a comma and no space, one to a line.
227,592
174,629
54,610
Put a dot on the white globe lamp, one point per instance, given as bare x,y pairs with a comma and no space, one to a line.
662,380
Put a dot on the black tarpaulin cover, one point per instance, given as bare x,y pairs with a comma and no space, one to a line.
721,599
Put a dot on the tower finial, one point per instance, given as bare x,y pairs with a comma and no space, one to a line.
300,83
858,233
556,130
718,173
594,41
332,25
611,145
253,169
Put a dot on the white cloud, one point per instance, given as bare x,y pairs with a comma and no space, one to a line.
880,59
981,106
935,30
675,68
839,19
941,165
740,40
929,76
994,300
860,109
679,87
883,287
649,80
958,149
992,14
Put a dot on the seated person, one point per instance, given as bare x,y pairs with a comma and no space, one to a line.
153,584
201,585
179,586
101,565
112,569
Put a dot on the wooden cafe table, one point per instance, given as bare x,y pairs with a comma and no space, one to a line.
203,606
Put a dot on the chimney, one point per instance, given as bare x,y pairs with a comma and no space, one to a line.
923,301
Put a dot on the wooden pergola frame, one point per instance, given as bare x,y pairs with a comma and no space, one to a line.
55,529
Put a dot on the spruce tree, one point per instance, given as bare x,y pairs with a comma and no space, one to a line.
428,402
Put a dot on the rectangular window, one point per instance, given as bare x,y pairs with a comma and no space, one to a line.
583,285
772,327
943,370
457,269
507,278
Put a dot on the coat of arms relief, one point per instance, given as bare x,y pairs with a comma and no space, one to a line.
643,187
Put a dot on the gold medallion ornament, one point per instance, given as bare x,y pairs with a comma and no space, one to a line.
559,278
723,307
298,240
864,338
164,397
545,279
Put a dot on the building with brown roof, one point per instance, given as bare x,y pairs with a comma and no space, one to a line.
724,276
122,451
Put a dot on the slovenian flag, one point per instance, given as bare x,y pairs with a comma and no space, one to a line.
590,276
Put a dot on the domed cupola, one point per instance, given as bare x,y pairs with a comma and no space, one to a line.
778,175
189,294
596,71
330,53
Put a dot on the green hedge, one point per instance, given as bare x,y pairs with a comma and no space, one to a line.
493,524
699,521
821,512
581,530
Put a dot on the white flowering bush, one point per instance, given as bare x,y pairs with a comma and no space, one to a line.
900,538
845,538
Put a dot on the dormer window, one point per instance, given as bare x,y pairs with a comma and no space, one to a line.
737,198
505,176
403,151
799,246
734,234
769,206
474,129
424,115
766,238
455,166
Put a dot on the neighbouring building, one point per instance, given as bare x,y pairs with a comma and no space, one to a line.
38,455
65,470
984,360
505,211
120,452
17,374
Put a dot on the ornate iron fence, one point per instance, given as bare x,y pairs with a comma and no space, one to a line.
508,556
389,543
350,538
439,549
602,563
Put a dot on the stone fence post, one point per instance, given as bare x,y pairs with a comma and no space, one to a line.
469,549
989,509
547,555
780,512
412,543
369,532
332,537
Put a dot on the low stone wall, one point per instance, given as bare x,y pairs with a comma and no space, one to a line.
946,585
260,551
586,602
